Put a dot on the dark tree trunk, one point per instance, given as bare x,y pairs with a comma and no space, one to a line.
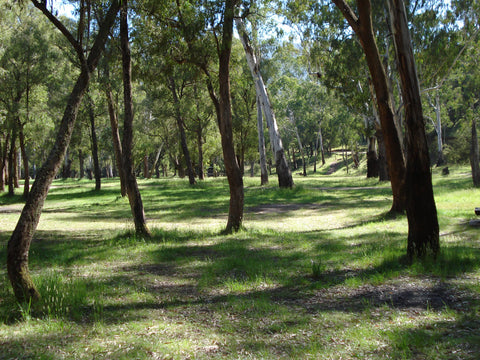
362,25
423,231
133,192
372,159
181,129
81,160
4,162
11,163
26,185
234,174
93,132
474,155
19,243
383,173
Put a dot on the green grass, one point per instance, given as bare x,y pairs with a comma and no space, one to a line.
318,273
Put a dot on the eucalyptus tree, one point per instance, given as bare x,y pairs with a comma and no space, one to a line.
423,231
283,171
19,243
25,64
206,31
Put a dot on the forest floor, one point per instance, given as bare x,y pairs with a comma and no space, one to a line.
319,272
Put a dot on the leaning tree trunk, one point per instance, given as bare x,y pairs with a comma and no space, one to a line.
285,179
261,145
19,243
96,163
181,130
423,231
438,128
134,197
362,26
201,172
474,155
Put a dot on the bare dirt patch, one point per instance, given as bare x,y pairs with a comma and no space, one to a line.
281,208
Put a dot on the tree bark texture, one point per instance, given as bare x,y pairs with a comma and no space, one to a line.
423,231
261,145
19,243
181,130
284,174
134,197
232,169
362,26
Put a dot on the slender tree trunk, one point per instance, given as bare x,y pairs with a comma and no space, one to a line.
117,144
261,145
285,179
26,186
19,243
12,163
423,231
93,132
155,162
362,25
474,155
4,162
133,192
181,130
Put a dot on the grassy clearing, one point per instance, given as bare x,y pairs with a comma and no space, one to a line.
318,273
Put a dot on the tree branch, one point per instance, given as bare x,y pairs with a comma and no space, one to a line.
348,13
58,24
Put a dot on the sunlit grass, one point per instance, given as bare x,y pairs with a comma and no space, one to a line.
318,272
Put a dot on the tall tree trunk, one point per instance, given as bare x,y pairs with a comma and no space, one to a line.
4,161
285,179
362,26
423,231
133,192
181,130
117,144
93,133
232,168
19,243
26,185
474,155
261,145
12,163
